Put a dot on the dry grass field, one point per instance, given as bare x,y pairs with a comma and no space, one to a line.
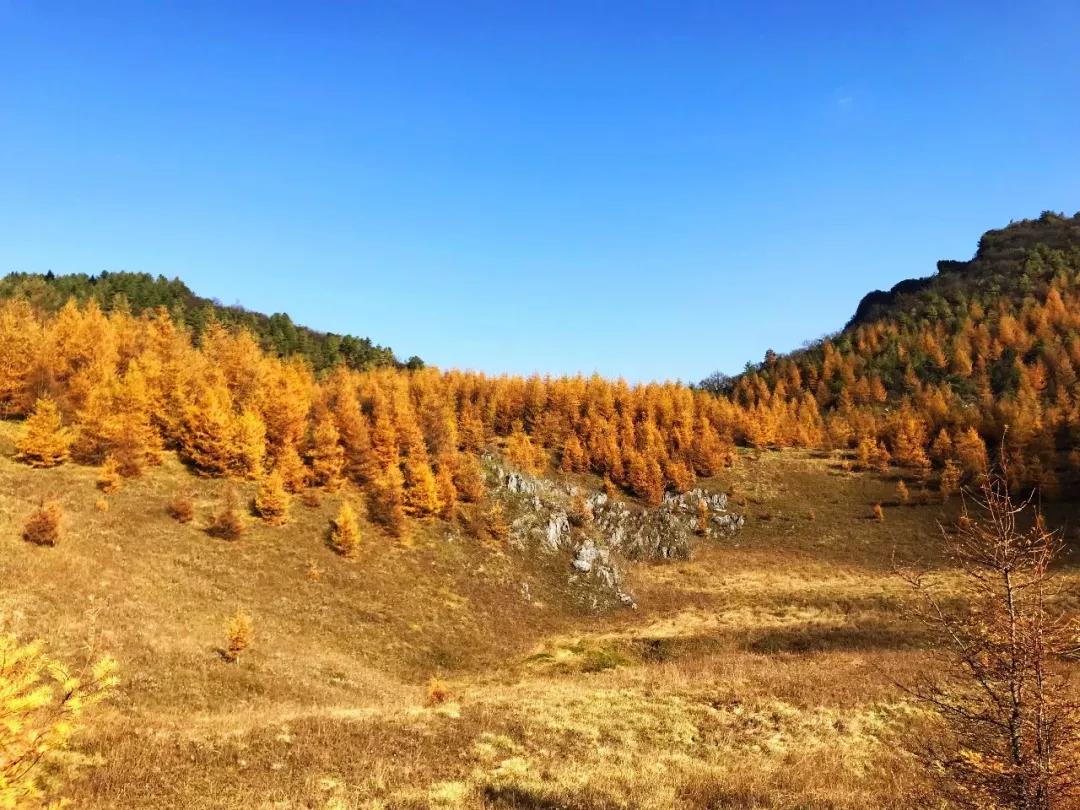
761,674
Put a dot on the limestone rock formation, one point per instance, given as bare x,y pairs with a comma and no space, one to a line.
618,531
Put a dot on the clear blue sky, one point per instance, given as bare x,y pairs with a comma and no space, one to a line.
653,190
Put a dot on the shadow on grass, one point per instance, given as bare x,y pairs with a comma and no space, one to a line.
801,640
542,797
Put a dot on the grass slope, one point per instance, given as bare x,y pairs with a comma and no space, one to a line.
760,674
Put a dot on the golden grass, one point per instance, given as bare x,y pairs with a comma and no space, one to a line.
759,675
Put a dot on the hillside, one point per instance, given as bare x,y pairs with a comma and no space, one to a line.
759,673
982,350
141,292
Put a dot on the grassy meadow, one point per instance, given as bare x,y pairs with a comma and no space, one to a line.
761,674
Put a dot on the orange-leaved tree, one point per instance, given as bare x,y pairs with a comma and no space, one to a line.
45,441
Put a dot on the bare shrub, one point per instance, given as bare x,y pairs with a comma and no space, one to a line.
997,682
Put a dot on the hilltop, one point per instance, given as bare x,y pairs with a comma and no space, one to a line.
142,292
984,349
1011,262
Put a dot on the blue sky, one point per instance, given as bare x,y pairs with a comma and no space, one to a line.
651,190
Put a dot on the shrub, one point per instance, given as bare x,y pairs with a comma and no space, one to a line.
43,706
609,488
495,522
43,526
879,513
902,493
702,523
311,498
228,523
437,692
314,573
344,532
238,635
581,513
102,504
109,479
271,499
182,506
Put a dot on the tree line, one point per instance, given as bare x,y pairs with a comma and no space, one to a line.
141,292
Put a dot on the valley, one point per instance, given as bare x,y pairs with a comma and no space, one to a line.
762,672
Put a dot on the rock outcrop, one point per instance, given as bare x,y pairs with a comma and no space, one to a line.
616,531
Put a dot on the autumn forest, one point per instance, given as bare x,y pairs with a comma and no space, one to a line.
985,355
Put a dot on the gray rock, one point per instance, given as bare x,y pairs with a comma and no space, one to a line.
557,529
586,557
617,531
516,482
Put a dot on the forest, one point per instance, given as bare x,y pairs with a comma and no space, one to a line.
981,355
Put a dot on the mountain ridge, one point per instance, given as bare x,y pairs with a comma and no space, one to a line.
142,291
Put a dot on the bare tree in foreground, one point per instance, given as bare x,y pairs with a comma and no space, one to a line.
998,681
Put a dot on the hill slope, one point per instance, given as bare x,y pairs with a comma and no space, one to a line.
735,683
990,345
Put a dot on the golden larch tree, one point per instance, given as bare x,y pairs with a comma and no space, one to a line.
249,444
239,635
271,498
44,706
997,683
20,344
294,474
387,498
327,456
45,441
345,531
